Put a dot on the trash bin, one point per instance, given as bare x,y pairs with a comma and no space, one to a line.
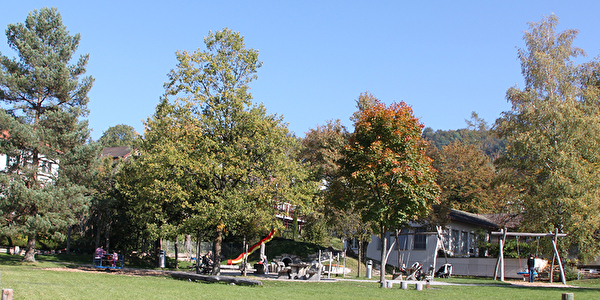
369,268
161,259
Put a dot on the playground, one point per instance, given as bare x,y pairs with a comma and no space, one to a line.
53,277
73,277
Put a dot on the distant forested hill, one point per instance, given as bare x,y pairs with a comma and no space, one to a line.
489,143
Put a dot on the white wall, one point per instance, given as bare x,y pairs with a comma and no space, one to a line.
484,267
2,162
408,256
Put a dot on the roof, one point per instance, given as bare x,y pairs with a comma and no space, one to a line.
470,218
116,152
505,220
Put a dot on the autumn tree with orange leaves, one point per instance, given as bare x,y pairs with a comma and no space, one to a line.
391,179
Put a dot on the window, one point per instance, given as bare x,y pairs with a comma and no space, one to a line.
403,242
464,240
420,240
446,239
46,166
473,244
455,241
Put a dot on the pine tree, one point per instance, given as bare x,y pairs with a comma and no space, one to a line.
43,185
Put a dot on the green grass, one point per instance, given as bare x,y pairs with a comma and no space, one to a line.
32,281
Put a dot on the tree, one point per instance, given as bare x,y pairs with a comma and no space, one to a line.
365,101
477,133
391,179
553,139
42,129
224,162
322,147
119,136
466,176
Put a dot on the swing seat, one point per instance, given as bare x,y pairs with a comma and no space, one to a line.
525,274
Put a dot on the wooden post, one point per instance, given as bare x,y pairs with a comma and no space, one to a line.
562,271
552,268
500,262
344,271
198,249
7,294
244,257
568,296
437,246
330,263
337,259
502,255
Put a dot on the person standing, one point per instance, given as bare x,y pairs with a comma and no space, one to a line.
531,267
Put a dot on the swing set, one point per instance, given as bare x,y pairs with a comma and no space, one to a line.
503,233
524,271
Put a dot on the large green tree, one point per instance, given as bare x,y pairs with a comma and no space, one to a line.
388,173
211,155
45,99
553,134
119,136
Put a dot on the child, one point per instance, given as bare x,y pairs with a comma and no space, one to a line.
114,259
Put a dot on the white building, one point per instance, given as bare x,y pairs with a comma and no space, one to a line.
459,237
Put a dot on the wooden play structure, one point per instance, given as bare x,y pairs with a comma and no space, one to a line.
503,233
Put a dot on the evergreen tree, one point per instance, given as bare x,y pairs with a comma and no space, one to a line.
45,99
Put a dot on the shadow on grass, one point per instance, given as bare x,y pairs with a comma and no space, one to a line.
10,260
81,259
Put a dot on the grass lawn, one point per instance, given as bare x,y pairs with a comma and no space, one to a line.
34,281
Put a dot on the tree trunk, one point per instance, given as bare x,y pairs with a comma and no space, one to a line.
383,257
98,230
69,239
176,255
359,256
217,251
188,246
30,251
228,279
399,248
107,231
156,249
10,246
198,258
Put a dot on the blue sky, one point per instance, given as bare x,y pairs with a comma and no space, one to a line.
444,58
